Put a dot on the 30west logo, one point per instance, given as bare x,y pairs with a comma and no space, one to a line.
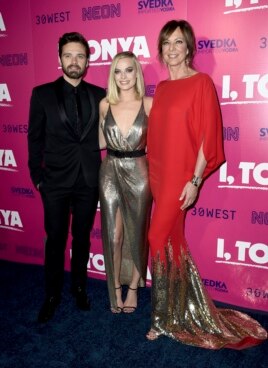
102,52
243,253
217,213
5,98
10,220
243,5
57,17
7,160
254,89
15,128
250,173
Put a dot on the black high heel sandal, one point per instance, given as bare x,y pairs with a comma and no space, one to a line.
130,308
117,310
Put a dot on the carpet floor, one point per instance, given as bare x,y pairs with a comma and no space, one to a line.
95,339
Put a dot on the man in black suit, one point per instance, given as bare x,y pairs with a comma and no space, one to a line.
64,161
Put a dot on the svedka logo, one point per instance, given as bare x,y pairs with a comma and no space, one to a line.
237,6
243,253
101,12
95,233
57,17
216,46
2,27
264,133
4,95
102,52
10,220
25,192
216,285
254,90
27,251
7,160
150,89
251,176
155,6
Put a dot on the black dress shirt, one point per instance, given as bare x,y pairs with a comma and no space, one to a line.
69,94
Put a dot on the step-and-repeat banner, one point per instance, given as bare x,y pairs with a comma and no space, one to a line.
227,231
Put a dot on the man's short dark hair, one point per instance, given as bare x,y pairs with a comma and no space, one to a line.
73,37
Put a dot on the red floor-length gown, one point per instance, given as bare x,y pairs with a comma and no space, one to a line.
184,115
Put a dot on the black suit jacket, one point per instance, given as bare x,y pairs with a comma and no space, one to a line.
56,153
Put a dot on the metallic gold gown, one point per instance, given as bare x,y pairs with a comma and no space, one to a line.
124,185
184,115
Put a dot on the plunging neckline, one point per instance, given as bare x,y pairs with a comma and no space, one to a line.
131,126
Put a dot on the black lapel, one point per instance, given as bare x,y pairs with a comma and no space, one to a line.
92,111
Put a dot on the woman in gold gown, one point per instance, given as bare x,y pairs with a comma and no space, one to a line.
125,197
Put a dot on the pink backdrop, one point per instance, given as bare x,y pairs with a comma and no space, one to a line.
227,230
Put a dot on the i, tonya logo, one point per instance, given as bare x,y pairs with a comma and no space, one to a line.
237,6
254,90
101,53
5,98
10,220
244,253
250,175
96,265
2,26
7,160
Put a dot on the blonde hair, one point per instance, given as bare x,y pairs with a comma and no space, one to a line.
113,90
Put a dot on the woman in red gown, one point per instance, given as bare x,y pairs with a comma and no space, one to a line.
185,145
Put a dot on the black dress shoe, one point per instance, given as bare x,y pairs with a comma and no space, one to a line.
48,309
82,300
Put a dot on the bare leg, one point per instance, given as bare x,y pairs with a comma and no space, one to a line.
130,303
118,241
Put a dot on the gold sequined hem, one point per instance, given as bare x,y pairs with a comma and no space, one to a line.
183,310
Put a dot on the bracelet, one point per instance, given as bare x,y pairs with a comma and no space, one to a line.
196,181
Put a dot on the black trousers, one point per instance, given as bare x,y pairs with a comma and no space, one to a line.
75,206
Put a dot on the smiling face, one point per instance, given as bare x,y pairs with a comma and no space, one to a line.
73,61
174,49
125,74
